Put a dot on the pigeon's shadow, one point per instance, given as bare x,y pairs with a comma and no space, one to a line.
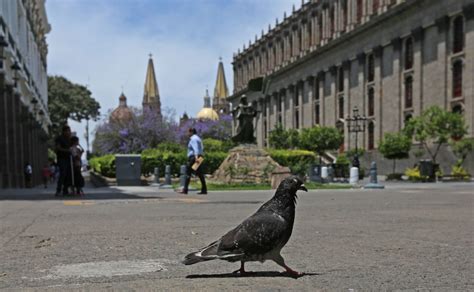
249,275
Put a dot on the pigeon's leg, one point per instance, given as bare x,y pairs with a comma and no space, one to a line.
241,270
281,262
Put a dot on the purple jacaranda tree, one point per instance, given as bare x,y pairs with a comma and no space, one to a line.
220,129
145,130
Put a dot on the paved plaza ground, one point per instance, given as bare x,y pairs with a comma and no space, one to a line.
406,237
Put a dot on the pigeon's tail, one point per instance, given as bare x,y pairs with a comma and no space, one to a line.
206,254
210,252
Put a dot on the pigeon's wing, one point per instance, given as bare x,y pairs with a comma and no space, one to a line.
258,234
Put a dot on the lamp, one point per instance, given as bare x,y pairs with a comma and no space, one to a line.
356,124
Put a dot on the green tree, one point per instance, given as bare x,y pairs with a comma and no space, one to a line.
462,148
320,139
395,146
279,138
434,128
68,100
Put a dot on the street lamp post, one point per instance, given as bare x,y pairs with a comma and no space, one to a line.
356,124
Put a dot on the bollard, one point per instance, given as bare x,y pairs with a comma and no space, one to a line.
167,184
354,176
330,177
324,172
373,183
156,180
182,176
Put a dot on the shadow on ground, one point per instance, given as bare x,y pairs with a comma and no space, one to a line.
249,275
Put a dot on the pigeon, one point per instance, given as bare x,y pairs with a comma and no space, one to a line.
261,236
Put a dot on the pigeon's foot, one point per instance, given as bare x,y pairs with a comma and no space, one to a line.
240,271
293,273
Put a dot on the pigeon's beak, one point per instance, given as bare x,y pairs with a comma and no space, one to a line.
302,188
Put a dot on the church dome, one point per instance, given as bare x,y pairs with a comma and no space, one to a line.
207,114
122,113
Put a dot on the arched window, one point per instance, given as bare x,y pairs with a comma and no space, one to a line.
371,136
408,92
309,32
282,51
316,89
371,102
300,41
457,78
340,79
341,107
409,53
359,11
370,68
297,96
458,34
290,53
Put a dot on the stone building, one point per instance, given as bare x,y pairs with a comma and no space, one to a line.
389,58
24,117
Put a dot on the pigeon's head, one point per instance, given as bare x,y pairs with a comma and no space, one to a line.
292,184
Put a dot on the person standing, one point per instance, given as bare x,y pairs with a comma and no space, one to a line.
76,152
195,151
63,155
28,175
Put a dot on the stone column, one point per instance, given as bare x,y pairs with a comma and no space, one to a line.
301,92
322,98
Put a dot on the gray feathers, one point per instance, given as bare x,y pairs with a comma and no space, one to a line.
260,236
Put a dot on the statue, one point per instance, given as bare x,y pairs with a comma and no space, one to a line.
244,113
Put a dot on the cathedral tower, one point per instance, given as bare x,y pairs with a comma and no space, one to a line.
221,91
151,94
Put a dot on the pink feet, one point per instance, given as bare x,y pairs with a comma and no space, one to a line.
293,273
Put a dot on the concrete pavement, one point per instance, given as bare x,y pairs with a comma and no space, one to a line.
415,236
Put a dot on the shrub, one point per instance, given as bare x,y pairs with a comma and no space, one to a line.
214,145
297,160
459,172
105,165
413,174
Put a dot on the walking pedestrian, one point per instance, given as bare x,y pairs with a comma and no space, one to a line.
195,155
63,155
28,175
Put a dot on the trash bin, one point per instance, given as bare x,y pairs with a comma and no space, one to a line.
427,169
128,169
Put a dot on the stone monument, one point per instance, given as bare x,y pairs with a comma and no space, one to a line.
246,163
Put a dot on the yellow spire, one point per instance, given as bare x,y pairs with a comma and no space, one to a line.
221,91
151,94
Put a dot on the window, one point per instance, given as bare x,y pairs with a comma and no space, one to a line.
344,15
340,80
457,78
310,34
409,54
371,136
371,101
317,115
341,107
375,6
320,25
371,69
316,89
300,41
359,11
332,24
458,34
408,92
297,96
282,51
297,119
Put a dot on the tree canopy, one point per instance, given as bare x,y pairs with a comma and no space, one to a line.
68,100
435,127
395,146
320,139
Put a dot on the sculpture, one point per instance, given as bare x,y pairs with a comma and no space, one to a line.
244,114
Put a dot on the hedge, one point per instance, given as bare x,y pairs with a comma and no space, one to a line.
297,160
105,165
151,158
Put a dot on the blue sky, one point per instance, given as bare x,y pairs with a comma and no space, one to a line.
105,44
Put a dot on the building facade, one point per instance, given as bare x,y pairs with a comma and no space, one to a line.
24,117
389,58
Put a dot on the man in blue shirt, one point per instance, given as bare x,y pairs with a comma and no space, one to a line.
195,150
